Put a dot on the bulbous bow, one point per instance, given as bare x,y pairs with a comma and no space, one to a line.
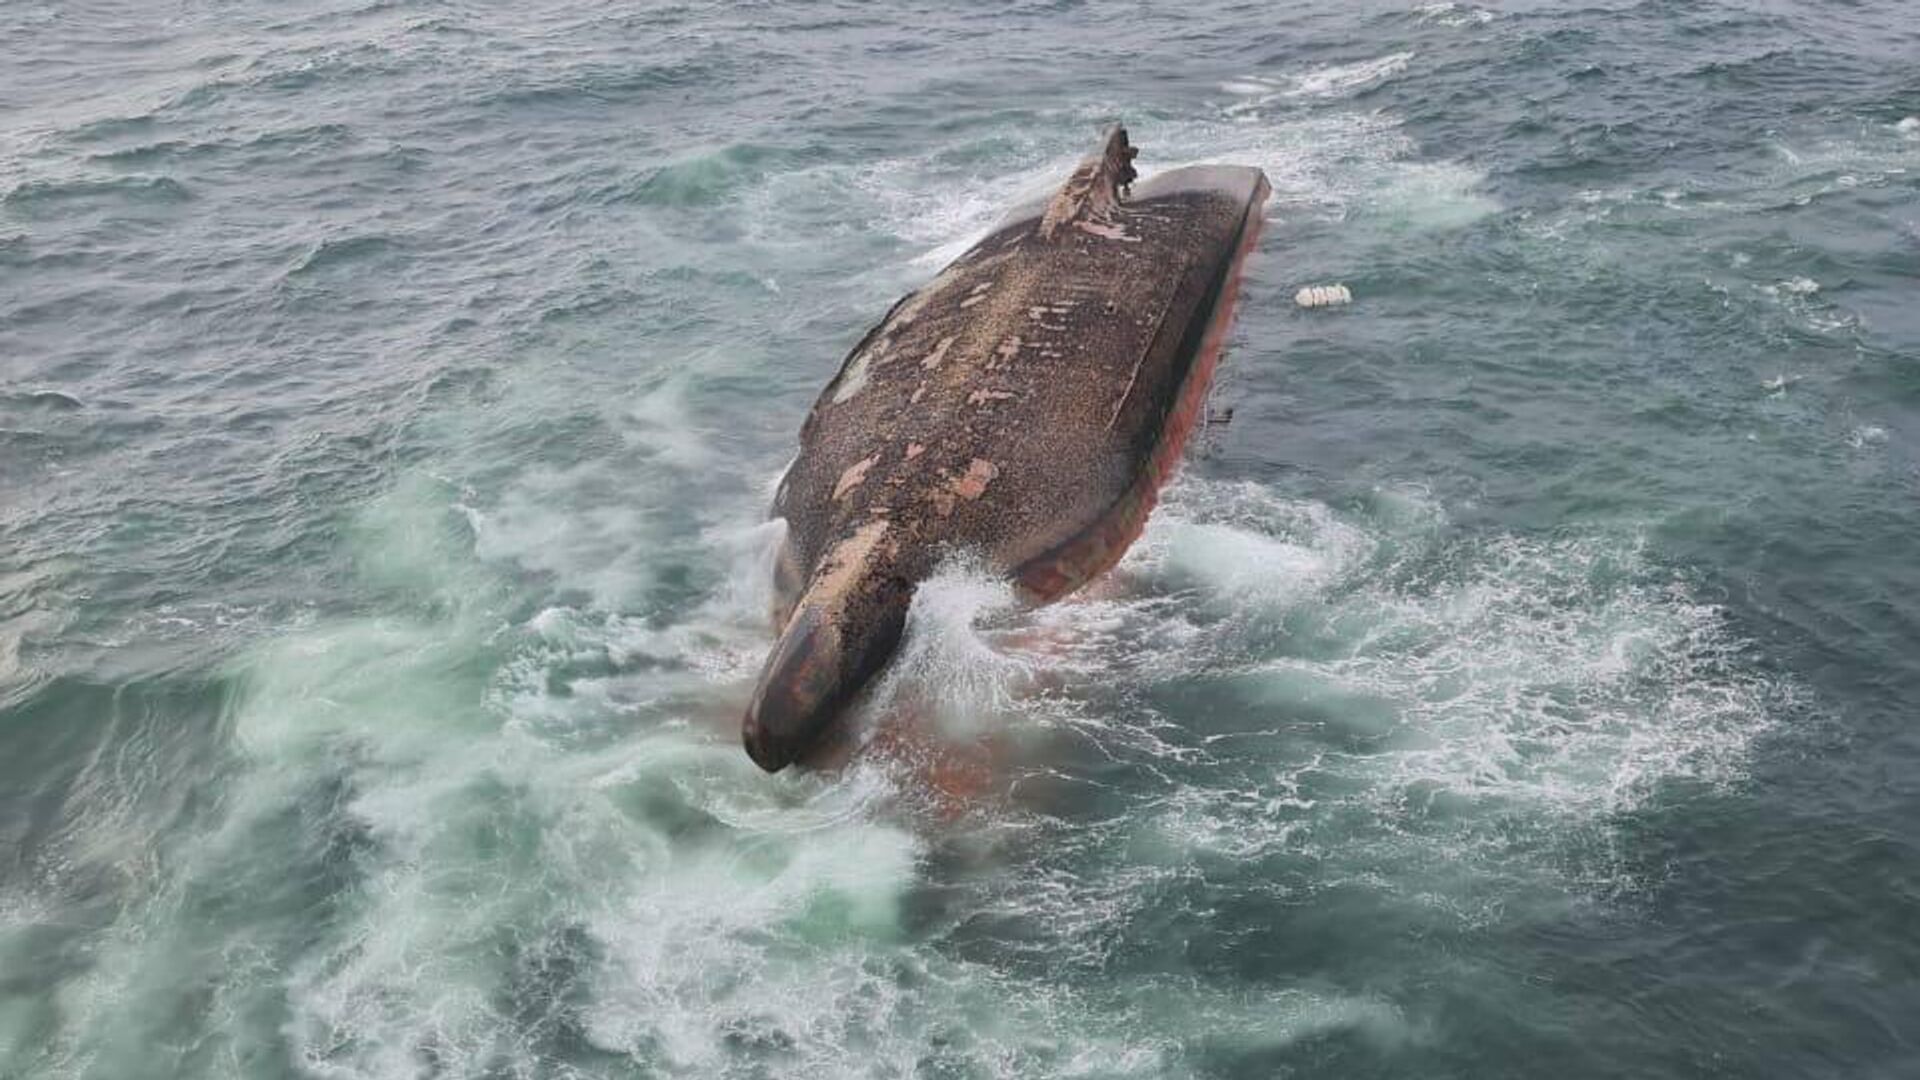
840,633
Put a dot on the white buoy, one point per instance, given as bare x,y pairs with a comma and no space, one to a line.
1323,296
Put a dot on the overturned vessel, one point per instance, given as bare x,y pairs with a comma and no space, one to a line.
1026,404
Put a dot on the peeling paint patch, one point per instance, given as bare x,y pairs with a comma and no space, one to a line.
853,380
854,474
969,485
981,397
914,450
1107,232
841,568
938,354
1039,313
980,472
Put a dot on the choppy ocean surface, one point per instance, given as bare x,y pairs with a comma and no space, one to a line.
1523,682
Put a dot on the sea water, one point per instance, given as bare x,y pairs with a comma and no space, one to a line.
1520,683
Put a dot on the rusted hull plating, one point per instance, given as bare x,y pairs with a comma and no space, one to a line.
1095,551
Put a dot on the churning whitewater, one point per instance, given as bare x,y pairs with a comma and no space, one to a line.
1518,669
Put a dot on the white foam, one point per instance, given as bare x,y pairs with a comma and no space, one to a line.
947,661
749,549
1251,86
1433,195
1542,680
772,928
665,427
1335,80
1246,543
1344,166
953,221
551,522
1426,714
1559,680
1330,81
1818,164
680,926
1450,13
921,199
1334,163
1866,435
1825,164
691,951
1800,298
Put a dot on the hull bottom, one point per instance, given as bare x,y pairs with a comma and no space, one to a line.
1096,550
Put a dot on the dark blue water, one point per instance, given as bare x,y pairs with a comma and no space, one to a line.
1520,683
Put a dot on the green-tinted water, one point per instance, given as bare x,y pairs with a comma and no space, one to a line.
390,395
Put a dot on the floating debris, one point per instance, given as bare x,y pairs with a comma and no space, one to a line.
1323,296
